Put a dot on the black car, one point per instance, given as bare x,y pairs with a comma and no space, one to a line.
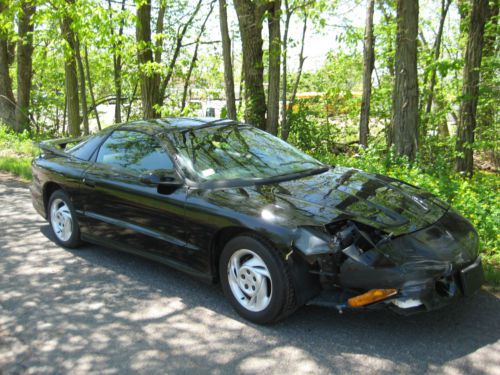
228,202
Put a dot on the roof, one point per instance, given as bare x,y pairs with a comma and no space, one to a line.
155,126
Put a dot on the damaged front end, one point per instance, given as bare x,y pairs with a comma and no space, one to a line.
362,267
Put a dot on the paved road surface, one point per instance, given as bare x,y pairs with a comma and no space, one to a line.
96,310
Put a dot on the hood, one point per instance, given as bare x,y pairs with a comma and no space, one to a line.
337,194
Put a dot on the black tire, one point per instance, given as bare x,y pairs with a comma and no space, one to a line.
282,298
74,239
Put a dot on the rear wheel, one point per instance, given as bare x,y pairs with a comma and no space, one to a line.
256,280
62,220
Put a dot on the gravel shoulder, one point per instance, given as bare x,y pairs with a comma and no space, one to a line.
96,310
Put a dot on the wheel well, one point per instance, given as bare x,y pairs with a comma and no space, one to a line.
220,239
48,189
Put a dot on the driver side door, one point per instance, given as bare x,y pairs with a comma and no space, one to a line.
122,211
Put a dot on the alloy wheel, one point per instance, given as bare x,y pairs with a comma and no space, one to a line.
61,220
250,280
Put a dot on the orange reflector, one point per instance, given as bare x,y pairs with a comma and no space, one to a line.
371,296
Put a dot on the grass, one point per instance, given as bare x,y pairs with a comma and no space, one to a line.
19,166
16,152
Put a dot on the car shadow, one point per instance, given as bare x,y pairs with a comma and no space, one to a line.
333,342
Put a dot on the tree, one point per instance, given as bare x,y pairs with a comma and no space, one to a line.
250,18
386,7
183,28
445,5
24,64
368,63
285,131
404,132
273,95
289,12
71,76
7,101
149,91
489,100
470,89
194,59
228,64
83,90
117,61
91,90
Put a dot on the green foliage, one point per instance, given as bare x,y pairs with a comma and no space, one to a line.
19,166
15,144
16,152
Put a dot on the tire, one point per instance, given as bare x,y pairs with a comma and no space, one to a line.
256,280
62,220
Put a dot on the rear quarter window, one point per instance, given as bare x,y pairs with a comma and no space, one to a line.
85,149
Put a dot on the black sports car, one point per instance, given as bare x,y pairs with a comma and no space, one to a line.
227,202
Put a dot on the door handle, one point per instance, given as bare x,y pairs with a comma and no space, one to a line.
89,182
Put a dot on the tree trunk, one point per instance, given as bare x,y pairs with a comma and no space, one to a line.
132,98
250,17
177,50
286,131
64,114
273,93
158,98
388,19
242,85
71,77
117,80
91,90
284,85
7,101
117,67
194,59
470,90
83,90
145,57
301,64
228,64
368,63
24,65
488,110
445,4
405,95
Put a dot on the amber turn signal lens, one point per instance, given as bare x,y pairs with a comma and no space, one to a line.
371,296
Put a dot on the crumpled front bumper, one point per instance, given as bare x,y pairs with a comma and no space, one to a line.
436,293
429,268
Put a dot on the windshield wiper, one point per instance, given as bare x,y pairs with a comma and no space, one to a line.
293,175
302,162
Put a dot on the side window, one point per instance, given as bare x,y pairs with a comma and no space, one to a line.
135,151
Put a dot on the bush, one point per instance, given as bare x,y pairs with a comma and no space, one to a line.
14,144
16,152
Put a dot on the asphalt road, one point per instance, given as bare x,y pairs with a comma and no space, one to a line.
96,310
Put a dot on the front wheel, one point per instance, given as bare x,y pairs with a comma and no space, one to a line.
256,280
63,221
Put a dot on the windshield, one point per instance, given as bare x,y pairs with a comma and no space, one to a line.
238,152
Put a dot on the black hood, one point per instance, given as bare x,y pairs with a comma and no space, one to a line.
337,194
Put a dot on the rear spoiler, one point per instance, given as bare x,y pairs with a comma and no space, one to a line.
57,146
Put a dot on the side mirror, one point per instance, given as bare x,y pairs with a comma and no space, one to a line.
161,178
